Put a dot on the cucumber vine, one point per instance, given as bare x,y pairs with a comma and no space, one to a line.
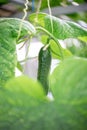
24,102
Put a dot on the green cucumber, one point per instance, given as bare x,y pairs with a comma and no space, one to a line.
44,66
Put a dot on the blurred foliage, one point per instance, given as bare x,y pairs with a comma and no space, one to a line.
77,47
3,1
79,1
58,2
78,16
75,16
52,3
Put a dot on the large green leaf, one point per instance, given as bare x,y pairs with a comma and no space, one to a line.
20,99
9,29
23,106
69,87
70,78
62,29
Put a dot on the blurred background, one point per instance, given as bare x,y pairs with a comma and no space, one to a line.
74,10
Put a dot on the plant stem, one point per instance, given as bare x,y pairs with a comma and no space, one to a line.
50,12
56,41
28,58
39,5
23,18
38,8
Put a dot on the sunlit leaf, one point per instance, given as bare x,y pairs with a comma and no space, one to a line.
63,29
37,19
84,39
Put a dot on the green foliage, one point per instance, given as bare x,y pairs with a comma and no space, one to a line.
68,29
69,75
9,28
79,49
20,101
52,3
79,16
62,29
79,1
25,105
84,39
54,48
19,66
69,84
23,102
37,20
4,1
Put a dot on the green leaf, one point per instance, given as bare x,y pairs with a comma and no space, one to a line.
62,29
9,29
84,39
22,100
54,48
7,60
22,109
25,85
69,87
37,19
56,52
69,76
23,106
12,25
19,66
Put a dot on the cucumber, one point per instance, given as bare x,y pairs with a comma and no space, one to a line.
44,67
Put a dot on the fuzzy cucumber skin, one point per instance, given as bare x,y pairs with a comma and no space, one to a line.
44,67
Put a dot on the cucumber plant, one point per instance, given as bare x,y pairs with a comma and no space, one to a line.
24,104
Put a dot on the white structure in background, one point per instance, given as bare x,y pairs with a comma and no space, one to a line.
31,66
